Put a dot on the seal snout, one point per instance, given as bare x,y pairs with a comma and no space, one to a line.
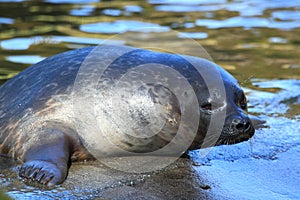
240,124
237,129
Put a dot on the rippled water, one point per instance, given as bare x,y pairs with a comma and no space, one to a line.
255,40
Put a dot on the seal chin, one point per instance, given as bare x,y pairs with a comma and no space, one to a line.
227,139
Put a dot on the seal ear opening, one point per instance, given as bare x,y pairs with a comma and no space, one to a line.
257,122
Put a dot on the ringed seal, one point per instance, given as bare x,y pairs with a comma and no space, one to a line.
38,126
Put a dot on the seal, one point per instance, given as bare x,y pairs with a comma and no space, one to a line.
38,126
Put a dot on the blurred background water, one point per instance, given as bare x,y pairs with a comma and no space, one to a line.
255,40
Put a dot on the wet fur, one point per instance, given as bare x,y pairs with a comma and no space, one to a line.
37,125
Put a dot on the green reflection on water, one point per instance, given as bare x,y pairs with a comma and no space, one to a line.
3,196
245,53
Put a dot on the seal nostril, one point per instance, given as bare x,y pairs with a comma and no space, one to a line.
242,125
239,126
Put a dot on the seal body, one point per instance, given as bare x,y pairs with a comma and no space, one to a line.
40,128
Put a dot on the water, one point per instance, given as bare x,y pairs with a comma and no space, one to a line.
255,40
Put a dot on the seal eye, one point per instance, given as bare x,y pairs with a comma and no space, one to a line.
206,106
243,106
243,102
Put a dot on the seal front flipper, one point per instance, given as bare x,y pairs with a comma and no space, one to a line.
43,172
46,160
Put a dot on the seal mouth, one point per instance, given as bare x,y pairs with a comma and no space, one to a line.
228,139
